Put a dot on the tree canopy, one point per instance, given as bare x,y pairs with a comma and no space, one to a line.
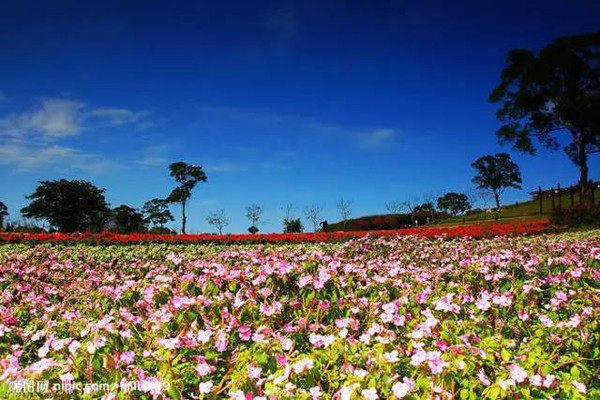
557,90
157,212
496,173
69,205
127,219
454,203
187,176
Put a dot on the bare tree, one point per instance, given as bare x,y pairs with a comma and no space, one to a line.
344,207
254,214
393,207
313,215
288,211
218,219
410,205
429,200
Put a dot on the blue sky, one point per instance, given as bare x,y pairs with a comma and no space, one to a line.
303,102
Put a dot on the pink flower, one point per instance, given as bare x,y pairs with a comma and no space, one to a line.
302,365
579,386
127,358
254,371
204,336
245,333
203,369
517,373
370,394
400,390
549,380
315,392
221,342
205,387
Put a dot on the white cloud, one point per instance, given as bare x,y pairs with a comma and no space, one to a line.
364,138
116,116
57,118
54,118
34,139
32,158
377,137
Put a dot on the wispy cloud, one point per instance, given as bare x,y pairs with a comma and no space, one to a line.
32,158
35,138
371,138
116,116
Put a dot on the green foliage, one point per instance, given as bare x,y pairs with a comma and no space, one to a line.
454,203
126,219
70,206
555,90
157,212
496,173
187,177
292,225
253,229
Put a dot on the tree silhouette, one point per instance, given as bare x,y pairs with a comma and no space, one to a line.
187,177
157,212
454,203
554,91
127,219
496,173
69,205
3,213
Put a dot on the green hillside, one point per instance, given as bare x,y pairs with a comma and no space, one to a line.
527,209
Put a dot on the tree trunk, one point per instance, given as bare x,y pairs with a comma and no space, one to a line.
183,219
583,176
497,198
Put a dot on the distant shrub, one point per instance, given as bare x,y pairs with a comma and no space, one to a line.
292,226
577,216
253,229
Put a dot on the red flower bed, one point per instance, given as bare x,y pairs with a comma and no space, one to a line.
449,231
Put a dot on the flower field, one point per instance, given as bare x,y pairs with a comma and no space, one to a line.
372,317
518,227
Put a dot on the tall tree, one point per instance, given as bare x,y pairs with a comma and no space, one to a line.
3,213
218,219
157,212
254,215
187,177
557,90
127,219
454,203
496,173
70,206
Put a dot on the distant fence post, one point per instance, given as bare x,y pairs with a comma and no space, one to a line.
541,199
571,196
559,197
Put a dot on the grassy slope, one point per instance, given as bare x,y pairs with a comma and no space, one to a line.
528,209
523,210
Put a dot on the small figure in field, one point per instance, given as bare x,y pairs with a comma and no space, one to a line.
324,226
